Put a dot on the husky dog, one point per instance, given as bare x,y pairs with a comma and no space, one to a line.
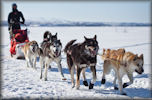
122,63
31,51
51,52
79,57
48,37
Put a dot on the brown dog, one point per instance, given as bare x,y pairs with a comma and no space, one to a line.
31,51
79,57
122,63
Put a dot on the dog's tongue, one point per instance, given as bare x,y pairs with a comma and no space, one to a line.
56,53
93,52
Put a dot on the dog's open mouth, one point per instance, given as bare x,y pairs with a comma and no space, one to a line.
56,54
93,52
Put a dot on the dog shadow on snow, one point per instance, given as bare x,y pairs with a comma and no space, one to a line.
131,92
108,89
142,76
64,70
138,92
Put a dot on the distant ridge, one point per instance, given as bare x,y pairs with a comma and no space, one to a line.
72,23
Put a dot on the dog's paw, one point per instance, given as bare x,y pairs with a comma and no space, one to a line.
123,93
77,87
116,88
85,83
45,79
49,66
103,81
125,85
91,86
73,85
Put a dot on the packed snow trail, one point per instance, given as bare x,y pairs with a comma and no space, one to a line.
18,81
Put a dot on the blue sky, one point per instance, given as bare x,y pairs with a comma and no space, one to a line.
97,11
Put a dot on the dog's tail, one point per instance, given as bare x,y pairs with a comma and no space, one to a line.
45,36
68,45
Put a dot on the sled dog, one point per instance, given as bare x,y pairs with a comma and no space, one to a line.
79,57
48,37
122,63
31,50
51,52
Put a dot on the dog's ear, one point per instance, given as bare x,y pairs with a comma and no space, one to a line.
56,34
60,43
104,50
50,34
85,38
95,37
135,58
141,56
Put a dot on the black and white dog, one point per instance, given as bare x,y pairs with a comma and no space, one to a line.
48,37
79,57
51,48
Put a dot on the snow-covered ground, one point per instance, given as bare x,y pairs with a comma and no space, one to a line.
18,81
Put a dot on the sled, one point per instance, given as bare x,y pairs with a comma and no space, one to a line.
19,38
